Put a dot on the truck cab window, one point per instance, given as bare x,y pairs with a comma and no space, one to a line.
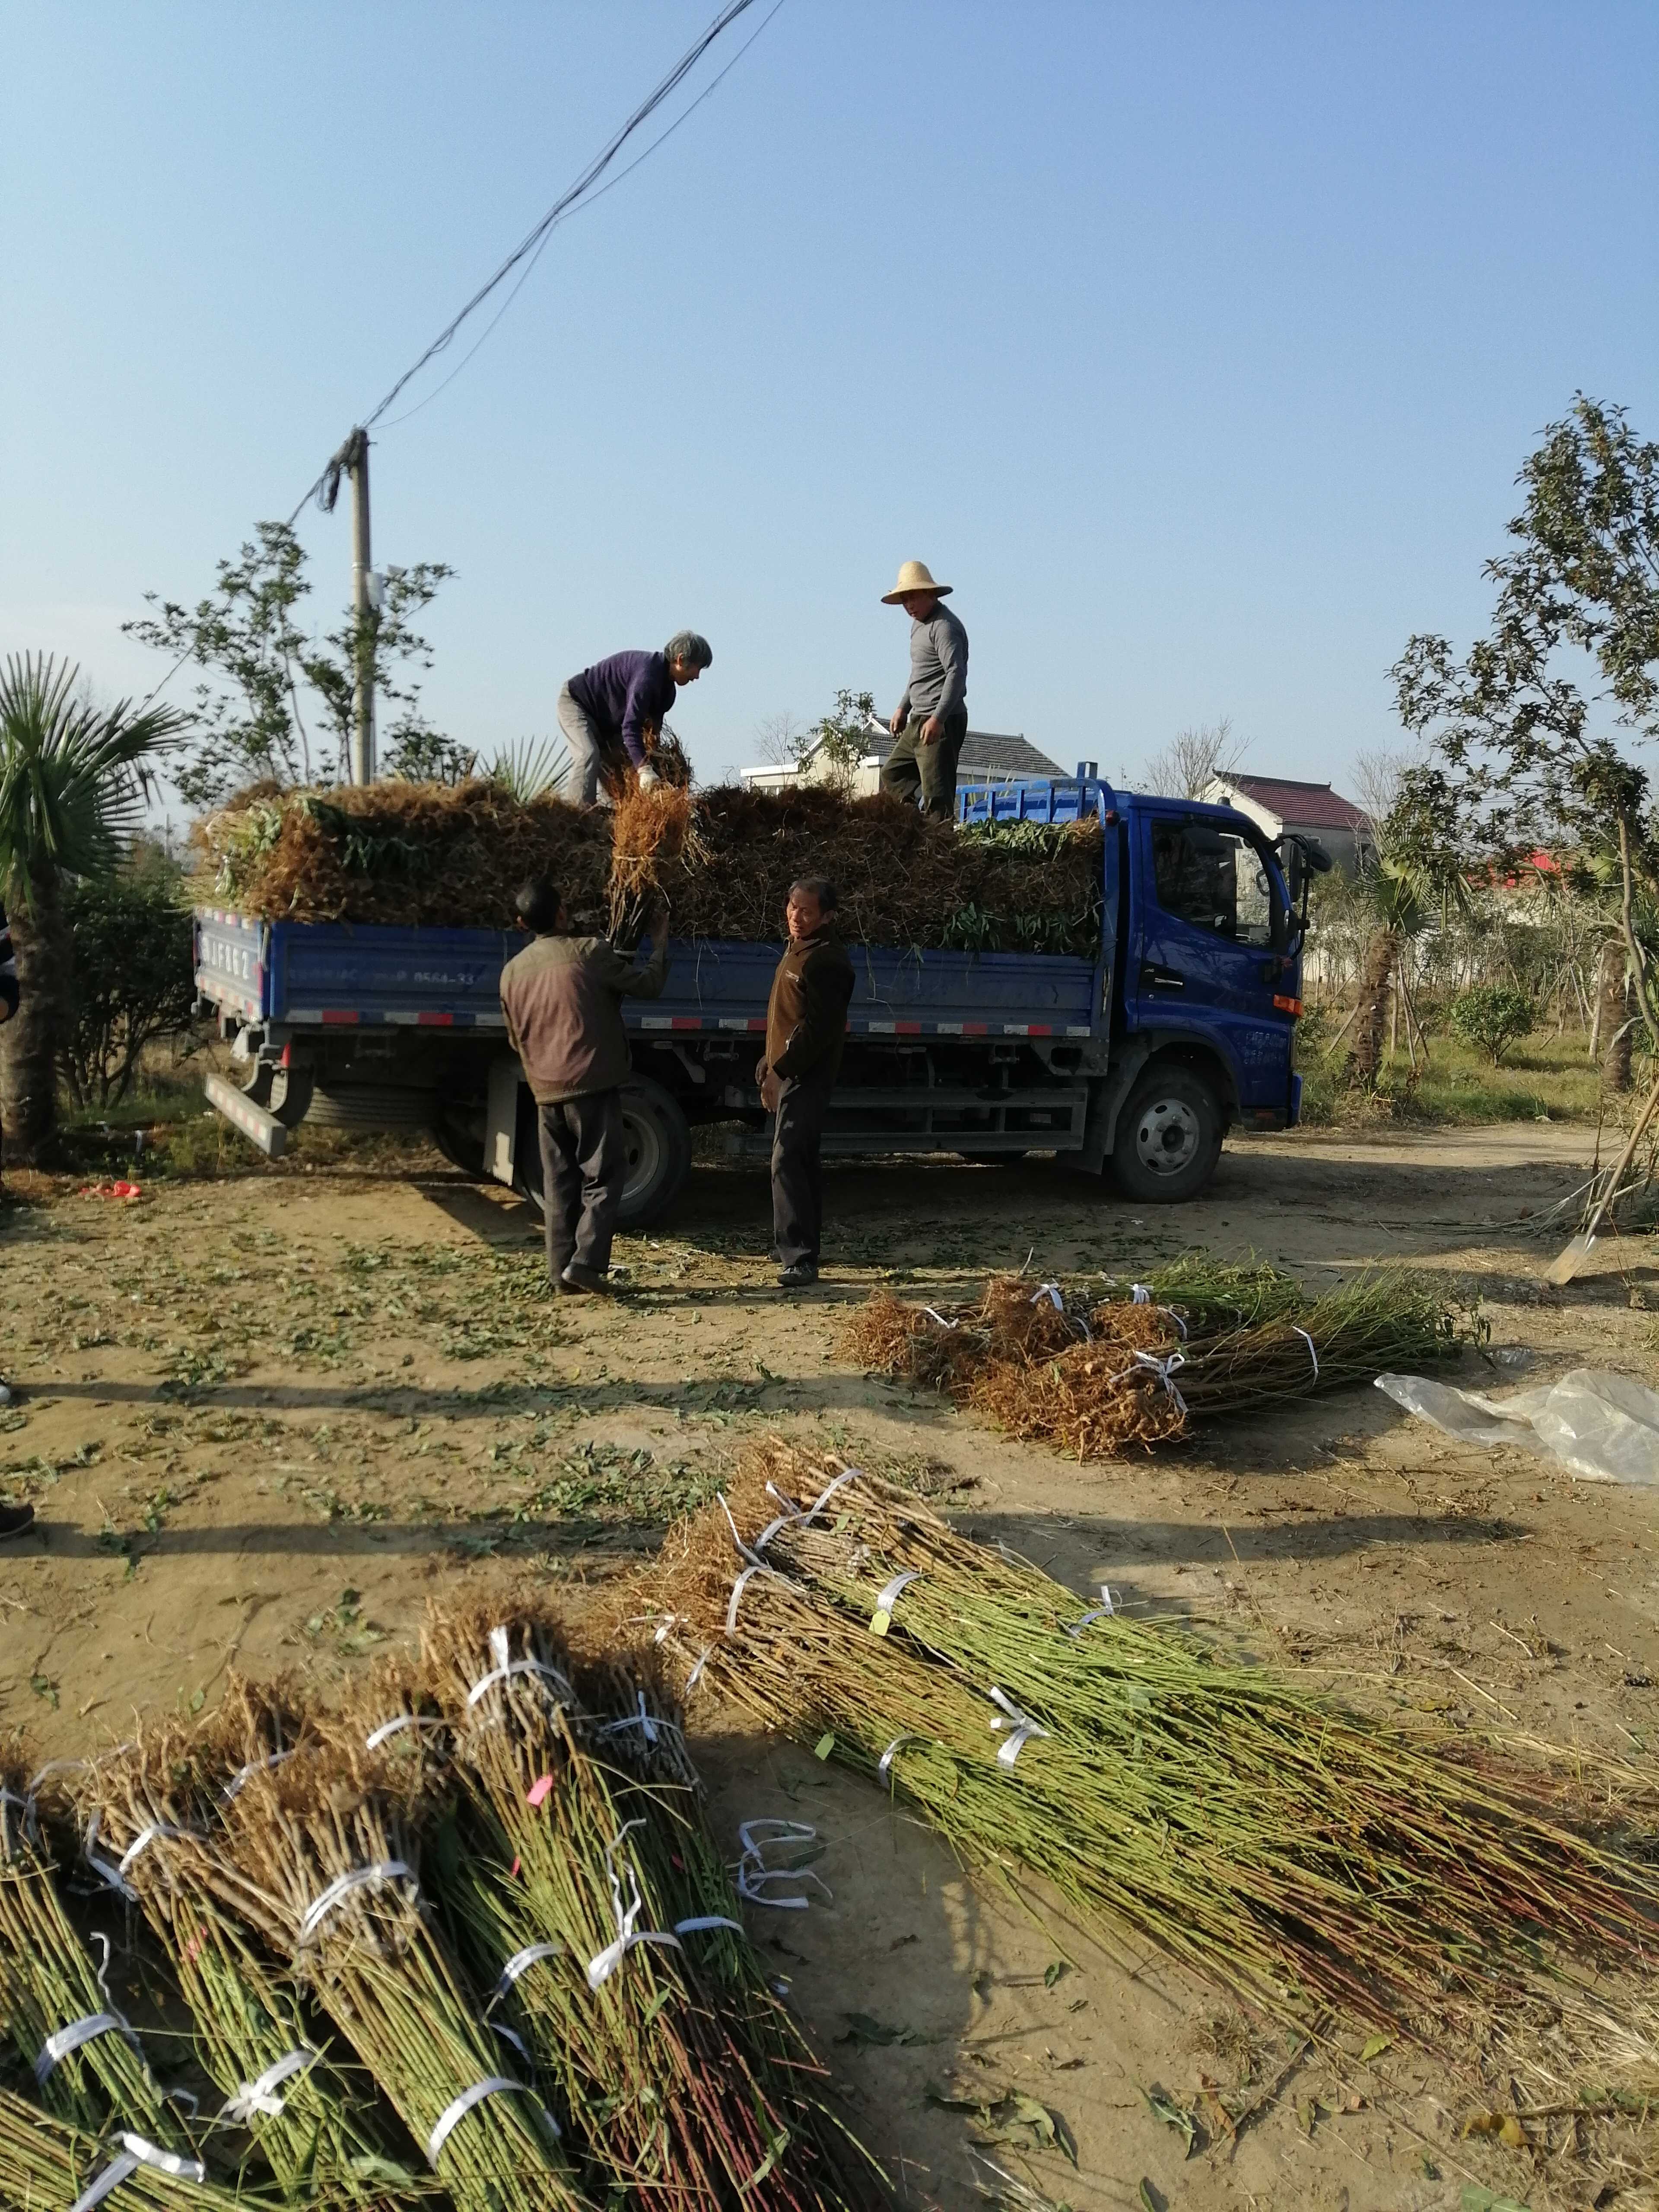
1218,882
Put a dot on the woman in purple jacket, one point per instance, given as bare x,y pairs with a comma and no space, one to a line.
606,712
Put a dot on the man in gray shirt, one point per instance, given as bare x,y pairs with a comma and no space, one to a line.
930,719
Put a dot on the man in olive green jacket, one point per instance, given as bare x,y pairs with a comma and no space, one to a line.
805,1031
562,1001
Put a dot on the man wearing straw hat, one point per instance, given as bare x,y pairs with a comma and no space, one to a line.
930,719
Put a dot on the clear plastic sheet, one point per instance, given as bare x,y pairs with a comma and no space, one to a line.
1601,1426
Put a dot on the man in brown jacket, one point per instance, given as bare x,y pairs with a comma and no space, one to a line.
806,1030
561,999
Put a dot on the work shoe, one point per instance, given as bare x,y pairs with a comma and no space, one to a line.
799,1276
15,1519
579,1277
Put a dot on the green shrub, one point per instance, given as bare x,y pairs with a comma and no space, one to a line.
132,980
1491,1016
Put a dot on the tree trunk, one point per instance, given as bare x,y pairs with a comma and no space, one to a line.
1612,1033
1376,975
29,1042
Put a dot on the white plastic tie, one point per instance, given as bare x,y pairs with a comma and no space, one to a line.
244,1775
1020,1726
105,1869
603,1963
396,1726
755,1877
458,2109
701,1920
1140,1294
362,1877
889,1596
696,1673
522,1962
886,1761
260,2096
1312,1353
1104,1611
651,1725
58,2047
738,1589
1165,1370
137,2151
507,1667
157,1831
847,1474
1051,1292
511,2035
934,1314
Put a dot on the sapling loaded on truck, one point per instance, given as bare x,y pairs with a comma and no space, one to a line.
1132,1064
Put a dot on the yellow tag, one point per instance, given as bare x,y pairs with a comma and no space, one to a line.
880,1621
824,1746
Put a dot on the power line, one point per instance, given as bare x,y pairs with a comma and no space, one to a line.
529,246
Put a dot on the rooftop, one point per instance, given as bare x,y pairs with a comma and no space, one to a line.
995,753
1303,805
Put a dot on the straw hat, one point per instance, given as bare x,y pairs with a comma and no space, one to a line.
914,576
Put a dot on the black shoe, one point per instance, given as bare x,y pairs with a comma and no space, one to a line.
800,1277
15,1519
579,1277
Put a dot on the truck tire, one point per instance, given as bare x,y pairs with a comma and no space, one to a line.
371,1106
658,1143
458,1132
1169,1136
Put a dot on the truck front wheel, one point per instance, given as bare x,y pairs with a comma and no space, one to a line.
1168,1137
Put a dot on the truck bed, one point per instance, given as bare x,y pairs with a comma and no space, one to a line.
321,974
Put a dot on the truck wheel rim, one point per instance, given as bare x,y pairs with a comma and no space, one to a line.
1167,1136
643,1142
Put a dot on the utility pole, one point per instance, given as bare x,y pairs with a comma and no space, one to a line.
354,459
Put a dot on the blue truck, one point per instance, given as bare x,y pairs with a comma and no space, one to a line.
1131,1065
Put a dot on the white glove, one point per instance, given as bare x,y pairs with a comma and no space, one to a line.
648,778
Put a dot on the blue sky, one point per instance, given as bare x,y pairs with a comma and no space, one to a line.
1197,345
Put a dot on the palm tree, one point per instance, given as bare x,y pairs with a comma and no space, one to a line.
1418,869
73,780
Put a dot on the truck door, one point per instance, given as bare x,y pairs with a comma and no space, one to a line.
1214,927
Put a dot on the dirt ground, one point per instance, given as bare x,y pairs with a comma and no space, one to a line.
264,1419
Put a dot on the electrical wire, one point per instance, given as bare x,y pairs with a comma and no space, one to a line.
529,247
581,208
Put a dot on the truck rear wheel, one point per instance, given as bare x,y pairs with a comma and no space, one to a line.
659,1146
1169,1136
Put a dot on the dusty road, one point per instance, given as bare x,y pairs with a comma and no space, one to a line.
266,1419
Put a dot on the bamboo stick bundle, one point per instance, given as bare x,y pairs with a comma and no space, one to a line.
666,2096
49,2165
85,2063
1275,1844
156,1807
1140,1370
320,1857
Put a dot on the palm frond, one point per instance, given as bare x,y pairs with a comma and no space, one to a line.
536,767
74,778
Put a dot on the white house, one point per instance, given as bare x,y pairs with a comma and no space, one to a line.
1276,804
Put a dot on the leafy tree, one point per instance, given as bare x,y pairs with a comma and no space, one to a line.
419,755
1491,1016
132,981
1418,875
1573,647
841,737
73,780
276,700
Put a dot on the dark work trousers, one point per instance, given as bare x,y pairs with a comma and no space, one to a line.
797,1170
584,1167
931,770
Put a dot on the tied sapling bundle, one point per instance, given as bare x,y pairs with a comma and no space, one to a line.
83,2059
1290,1850
320,1856
666,2099
50,2166
1193,1345
154,1807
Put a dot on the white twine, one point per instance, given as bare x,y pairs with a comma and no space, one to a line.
651,1725
506,1667
1164,1370
1020,1726
934,1314
603,1963
492,2085
1312,1353
695,1675
522,1962
1139,1294
753,1875
106,1871
157,1831
383,1870
260,2095
1051,1292
137,2151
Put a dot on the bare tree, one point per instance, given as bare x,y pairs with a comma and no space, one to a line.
781,739
1379,778
1192,757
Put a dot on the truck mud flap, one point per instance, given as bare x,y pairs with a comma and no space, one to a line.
256,1122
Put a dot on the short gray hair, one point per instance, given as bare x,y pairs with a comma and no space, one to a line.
686,644
819,888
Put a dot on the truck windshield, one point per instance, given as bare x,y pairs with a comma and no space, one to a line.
1218,881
